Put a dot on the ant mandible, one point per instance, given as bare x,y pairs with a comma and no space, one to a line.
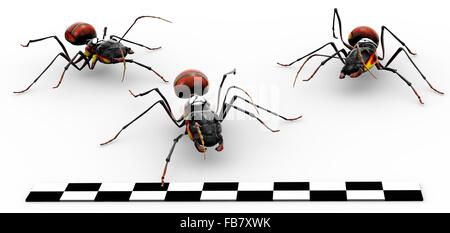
362,44
203,125
110,51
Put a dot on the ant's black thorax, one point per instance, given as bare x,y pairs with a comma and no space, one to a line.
109,51
368,46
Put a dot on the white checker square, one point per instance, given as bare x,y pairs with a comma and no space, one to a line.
148,196
117,187
324,186
261,186
400,186
185,186
291,195
78,196
50,187
362,195
218,195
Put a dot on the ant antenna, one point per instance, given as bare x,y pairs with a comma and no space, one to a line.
140,17
124,64
104,32
197,126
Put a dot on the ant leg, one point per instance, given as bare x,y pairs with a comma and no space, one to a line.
148,109
140,17
233,72
336,15
132,42
147,67
181,119
48,37
220,147
234,98
404,79
414,64
323,63
74,63
382,42
320,48
175,141
245,92
229,106
157,91
26,89
304,63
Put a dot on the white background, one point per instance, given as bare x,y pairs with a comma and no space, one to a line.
359,129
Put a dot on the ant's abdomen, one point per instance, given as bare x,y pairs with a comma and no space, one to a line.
204,128
80,33
363,32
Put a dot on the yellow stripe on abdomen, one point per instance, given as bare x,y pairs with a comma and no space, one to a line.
371,62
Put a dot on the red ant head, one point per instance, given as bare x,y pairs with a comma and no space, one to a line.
363,32
80,33
189,83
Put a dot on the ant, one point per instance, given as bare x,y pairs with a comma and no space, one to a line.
362,43
203,125
110,51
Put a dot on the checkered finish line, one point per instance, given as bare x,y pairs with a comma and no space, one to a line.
227,191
